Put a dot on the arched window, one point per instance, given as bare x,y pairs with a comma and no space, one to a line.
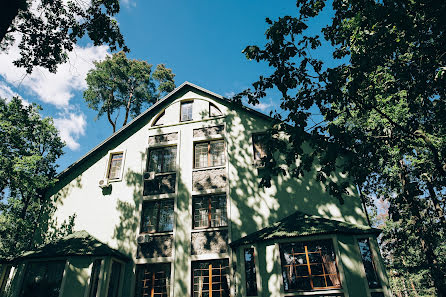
214,111
160,120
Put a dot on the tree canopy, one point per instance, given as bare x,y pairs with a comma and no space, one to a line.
29,148
383,112
120,84
47,29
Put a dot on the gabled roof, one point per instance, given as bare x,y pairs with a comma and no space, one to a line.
79,243
152,108
302,224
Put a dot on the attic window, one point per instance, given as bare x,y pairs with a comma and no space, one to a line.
258,141
186,111
214,111
160,119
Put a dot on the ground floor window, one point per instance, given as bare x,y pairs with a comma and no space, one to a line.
250,273
94,278
369,264
114,284
210,278
153,280
309,265
43,279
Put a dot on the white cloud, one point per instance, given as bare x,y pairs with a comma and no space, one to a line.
129,3
7,93
54,88
71,126
262,106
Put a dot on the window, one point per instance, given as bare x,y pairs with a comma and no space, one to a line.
209,211
94,278
186,111
160,120
115,279
369,265
309,265
153,280
114,169
43,279
163,159
214,111
250,272
210,278
157,216
258,141
209,154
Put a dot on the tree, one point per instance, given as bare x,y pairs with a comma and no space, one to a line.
383,112
29,148
118,83
47,29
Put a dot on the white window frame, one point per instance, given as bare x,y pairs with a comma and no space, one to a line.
107,168
181,110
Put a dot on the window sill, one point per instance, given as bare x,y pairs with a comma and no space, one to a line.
159,196
208,168
316,292
209,229
209,138
156,233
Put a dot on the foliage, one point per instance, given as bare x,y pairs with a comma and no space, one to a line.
47,29
120,83
383,108
28,151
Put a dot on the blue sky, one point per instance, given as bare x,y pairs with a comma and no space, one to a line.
201,41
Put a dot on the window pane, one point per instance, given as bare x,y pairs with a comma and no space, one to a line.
214,111
204,285
43,279
250,272
217,153
218,211
201,212
369,265
153,280
94,278
258,141
186,111
149,217
115,166
201,155
309,265
115,277
166,216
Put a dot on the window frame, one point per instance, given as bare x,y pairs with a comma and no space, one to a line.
256,274
109,163
210,277
157,266
157,201
209,211
108,276
101,275
157,148
209,155
22,276
182,103
263,153
216,107
339,269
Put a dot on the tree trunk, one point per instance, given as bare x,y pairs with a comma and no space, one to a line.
8,13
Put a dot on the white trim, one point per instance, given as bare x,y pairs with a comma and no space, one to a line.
107,168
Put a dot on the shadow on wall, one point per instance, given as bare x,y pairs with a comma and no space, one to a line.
255,208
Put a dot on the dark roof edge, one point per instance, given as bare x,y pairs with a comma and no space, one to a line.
122,129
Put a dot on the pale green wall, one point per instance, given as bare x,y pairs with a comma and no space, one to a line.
114,217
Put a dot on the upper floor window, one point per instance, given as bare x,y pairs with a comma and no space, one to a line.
258,141
309,265
163,159
209,211
369,264
115,164
209,154
214,111
186,111
153,280
157,216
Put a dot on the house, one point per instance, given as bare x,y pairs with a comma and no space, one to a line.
170,205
